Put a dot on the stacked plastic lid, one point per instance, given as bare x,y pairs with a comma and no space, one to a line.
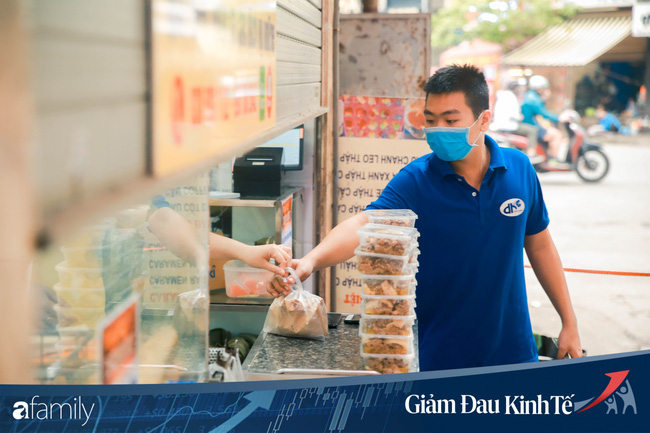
387,260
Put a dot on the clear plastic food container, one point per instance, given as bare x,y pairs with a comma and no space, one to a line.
381,264
392,217
382,239
388,285
244,281
79,278
387,325
387,305
85,257
414,256
388,364
92,236
83,298
79,316
387,344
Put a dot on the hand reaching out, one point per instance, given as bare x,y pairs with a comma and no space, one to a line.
260,256
282,286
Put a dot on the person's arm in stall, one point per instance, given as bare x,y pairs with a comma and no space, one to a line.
223,248
338,246
547,265
177,234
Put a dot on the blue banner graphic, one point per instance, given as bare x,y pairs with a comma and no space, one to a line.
599,394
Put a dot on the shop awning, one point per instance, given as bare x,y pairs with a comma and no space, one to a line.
573,43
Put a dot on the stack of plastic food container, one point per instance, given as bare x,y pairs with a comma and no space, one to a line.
387,260
100,266
80,292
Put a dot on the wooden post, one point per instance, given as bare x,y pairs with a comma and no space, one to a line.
325,158
17,216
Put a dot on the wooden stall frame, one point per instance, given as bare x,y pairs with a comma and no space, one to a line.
326,140
17,220
26,227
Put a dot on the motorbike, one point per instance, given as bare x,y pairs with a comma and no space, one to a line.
587,159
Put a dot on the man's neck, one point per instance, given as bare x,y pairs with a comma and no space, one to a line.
474,166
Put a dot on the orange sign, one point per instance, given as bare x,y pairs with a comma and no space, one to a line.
213,77
120,345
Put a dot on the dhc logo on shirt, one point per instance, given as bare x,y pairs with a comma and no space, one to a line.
512,207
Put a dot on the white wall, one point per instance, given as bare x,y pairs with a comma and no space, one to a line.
304,222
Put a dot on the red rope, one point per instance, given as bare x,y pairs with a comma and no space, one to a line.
590,271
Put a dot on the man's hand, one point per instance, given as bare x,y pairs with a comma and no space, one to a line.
546,263
569,343
279,286
338,246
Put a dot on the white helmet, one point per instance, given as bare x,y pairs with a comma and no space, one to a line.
537,82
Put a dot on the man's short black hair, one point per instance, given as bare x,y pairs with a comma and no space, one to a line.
466,79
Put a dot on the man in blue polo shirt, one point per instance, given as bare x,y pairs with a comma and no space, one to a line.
479,207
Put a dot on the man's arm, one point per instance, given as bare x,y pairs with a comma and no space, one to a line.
548,114
546,263
338,246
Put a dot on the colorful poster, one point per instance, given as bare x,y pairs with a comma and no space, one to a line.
287,231
213,78
374,117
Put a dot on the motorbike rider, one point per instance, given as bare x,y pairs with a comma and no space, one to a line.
508,118
534,104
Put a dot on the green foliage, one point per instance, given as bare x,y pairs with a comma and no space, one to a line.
466,20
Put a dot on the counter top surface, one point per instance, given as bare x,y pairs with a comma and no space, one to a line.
339,351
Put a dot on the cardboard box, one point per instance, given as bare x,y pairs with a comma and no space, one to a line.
217,278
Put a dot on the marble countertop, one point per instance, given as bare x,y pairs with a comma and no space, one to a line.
339,351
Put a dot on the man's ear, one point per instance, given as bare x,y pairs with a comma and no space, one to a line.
485,120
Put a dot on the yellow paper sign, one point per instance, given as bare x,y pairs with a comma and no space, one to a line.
213,77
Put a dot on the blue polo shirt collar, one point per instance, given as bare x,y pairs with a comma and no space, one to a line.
443,168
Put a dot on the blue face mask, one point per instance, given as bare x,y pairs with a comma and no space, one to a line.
450,144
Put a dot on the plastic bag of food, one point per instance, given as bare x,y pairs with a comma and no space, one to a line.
299,314
191,312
